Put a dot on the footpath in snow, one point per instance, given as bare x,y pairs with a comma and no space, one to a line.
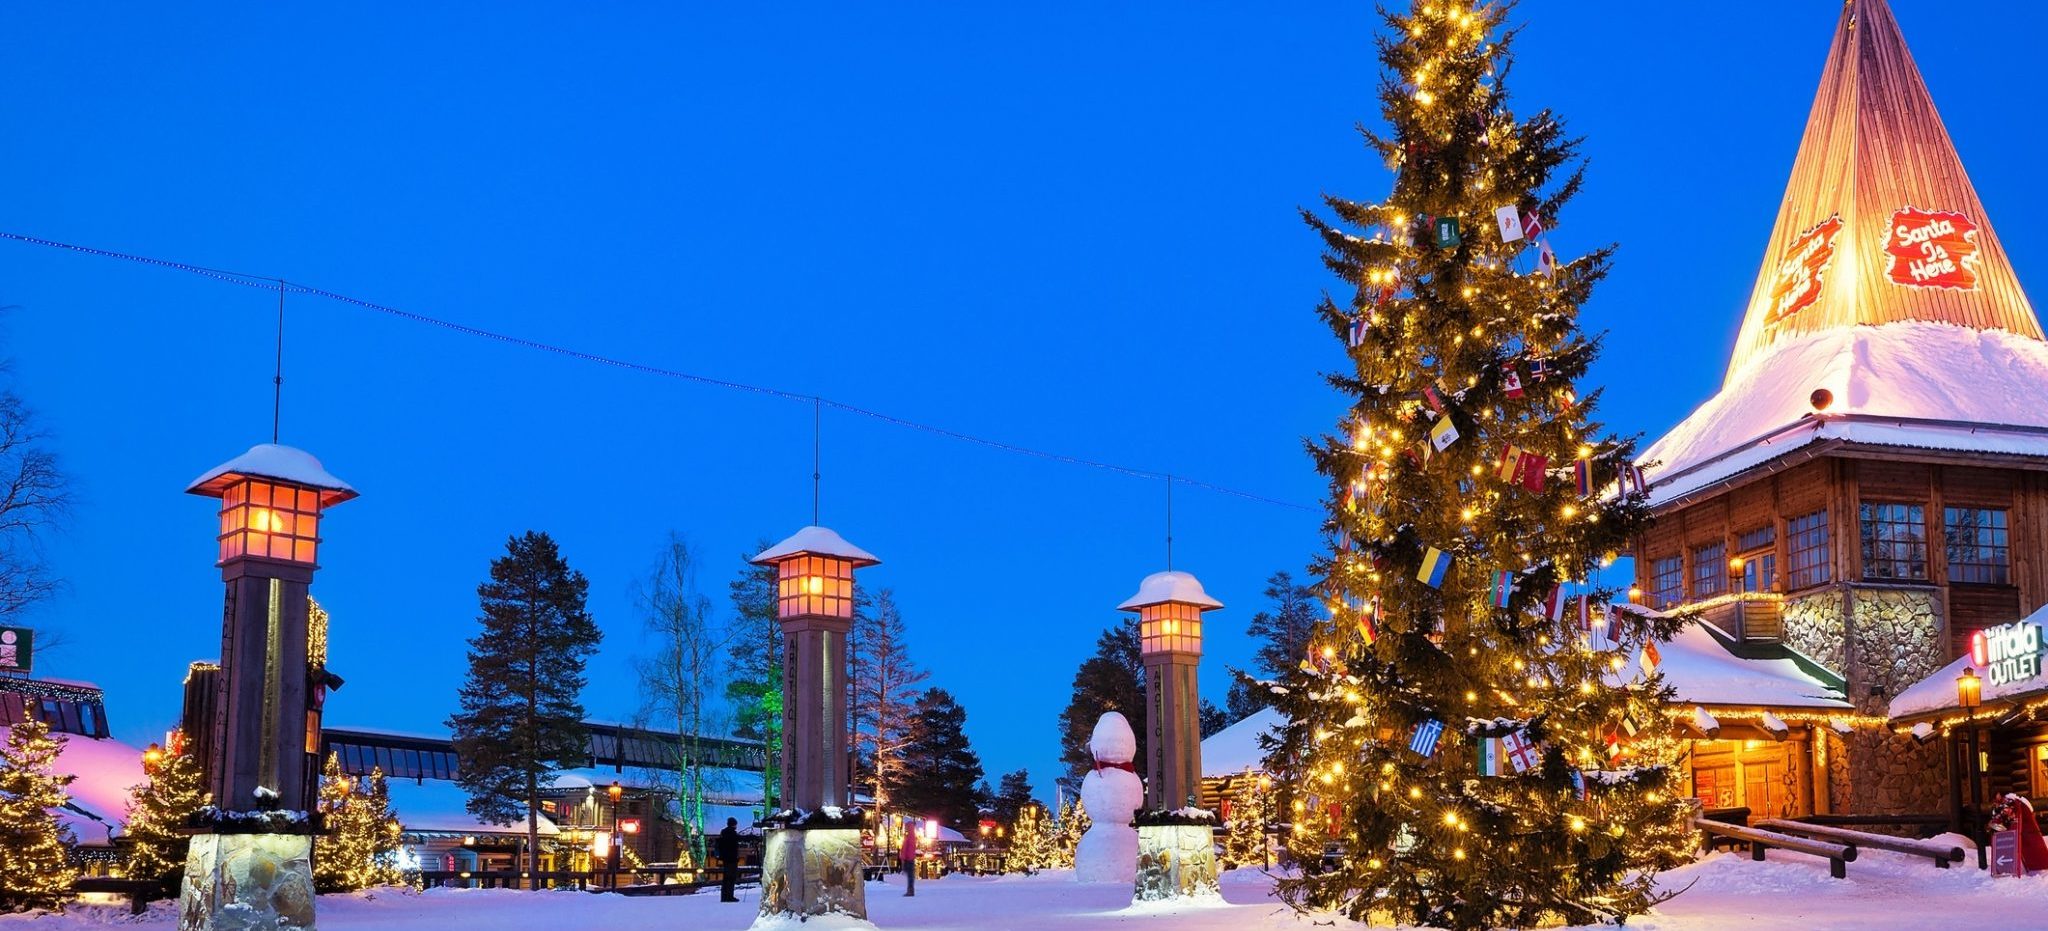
1728,892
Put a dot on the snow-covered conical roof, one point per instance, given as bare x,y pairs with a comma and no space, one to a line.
1171,585
1882,284
1874,147
269,460
815,541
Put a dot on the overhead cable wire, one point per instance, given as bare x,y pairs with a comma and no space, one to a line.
283,286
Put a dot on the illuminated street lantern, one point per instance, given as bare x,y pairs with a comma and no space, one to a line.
262,753
1170,606
1969,689
814,602
811,859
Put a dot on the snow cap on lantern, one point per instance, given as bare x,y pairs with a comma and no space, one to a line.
814,573
1170,606
271,498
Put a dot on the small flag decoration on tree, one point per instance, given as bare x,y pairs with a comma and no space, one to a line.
1435,564
1425,738
1443,434
1582,476
1490,755
1522,753
1447,232
1553,604
1546,260
1510,221
1360,325
1503,588
1652,657
1539,371
1510,381
1532,226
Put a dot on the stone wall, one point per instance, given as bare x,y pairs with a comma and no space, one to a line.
1893,639
1816,626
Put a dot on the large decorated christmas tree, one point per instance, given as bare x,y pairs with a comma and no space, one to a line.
1470,740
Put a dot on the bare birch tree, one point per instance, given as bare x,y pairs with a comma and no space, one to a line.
679,677
885,689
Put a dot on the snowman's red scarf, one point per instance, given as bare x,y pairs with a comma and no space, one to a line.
1126,766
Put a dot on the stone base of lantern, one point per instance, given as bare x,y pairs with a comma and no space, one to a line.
812,871
240,882
1176,861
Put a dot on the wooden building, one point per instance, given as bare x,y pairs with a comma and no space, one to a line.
1870,485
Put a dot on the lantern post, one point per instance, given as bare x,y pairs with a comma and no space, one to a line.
1176,852
252,855
811,862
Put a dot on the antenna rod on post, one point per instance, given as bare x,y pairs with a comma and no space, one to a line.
1169,522
817,451
277,379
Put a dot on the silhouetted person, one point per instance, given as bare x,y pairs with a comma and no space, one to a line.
729,860
909,856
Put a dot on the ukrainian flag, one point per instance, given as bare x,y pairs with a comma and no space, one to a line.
1435,563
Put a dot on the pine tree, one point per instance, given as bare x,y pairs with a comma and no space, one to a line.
885,685
753,686
1012,795
34,870
1282,634
1452,534
1251,809
361,846
1111,680
940,770
522,713
155,834
1067,828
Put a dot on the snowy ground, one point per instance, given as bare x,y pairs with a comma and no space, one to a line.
1728,892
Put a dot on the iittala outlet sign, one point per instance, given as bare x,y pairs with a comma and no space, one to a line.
2008,652
1932,249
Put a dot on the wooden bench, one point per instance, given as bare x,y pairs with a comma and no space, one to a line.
140,892
1837,854
1941,854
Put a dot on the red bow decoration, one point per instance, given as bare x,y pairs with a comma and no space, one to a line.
1126,766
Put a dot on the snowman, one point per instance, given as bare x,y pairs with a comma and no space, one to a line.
1110,794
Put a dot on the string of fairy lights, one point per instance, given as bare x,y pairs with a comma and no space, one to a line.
284,286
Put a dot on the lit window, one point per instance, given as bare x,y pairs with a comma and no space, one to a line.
1806,551
1894,540
1667,582
1709,570
1976,545
814,585
1170,625
269,520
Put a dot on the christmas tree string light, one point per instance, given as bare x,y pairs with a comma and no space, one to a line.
1469,746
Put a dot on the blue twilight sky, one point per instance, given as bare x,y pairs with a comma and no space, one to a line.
1071,227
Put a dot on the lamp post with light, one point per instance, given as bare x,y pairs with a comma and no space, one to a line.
266,728
1176,845
612,881
1735,565
1969,695
817,831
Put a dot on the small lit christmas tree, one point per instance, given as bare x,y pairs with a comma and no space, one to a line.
1457,729
361,845
1031,840
1067,828
34,871
1251,809
156,834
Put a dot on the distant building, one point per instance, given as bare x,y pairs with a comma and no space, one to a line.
1866,492
576,811
103,769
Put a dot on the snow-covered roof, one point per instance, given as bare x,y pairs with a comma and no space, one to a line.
1937,693
1700,666
436,806
817,541
269,460
104,771
1910,384
1171,585
1235,749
